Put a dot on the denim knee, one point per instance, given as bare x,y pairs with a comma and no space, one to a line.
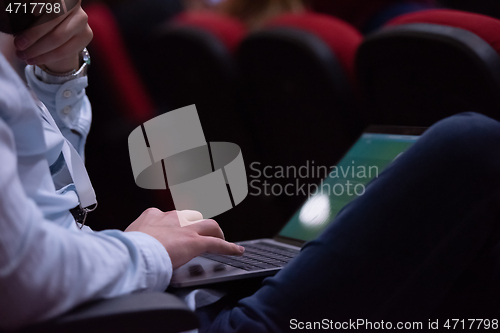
472,138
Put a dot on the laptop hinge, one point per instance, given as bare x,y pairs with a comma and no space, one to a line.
290,241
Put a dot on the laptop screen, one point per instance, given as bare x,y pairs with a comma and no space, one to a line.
366,159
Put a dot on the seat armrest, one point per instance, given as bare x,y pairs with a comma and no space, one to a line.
140,312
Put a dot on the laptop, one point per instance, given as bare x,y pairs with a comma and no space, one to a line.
377,147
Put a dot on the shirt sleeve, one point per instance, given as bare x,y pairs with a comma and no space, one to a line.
68,105
45,269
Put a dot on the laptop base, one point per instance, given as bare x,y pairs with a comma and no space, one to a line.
209,269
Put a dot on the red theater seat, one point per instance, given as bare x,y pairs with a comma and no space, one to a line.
486,27
341,38
426,66
361,13
120,102
109,49
192,63
485,7
227,30
297,79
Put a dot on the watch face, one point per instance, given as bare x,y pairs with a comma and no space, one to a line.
86,56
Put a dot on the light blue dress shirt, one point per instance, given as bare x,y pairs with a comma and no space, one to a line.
47,264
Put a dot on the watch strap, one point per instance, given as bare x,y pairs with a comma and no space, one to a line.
47,76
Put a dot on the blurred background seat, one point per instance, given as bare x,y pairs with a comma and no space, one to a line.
286,93
120,103
297,77
124,81
429,65
392,11
485,7
368,15
192,63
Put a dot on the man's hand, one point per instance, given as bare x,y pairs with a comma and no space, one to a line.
184,234
56,43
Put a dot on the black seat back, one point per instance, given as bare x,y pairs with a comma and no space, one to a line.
417,74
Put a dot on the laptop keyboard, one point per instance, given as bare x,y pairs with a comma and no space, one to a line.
260,255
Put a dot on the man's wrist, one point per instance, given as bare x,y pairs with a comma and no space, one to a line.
64,66
47,75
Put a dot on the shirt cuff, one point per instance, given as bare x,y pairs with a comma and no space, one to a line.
157,261
66,102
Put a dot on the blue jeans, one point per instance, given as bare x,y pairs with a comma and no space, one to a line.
420,244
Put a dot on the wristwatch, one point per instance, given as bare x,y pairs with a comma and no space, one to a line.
45,75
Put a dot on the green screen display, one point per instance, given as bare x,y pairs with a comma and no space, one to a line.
369,156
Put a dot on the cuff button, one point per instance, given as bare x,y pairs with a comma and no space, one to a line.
67,94
66,110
